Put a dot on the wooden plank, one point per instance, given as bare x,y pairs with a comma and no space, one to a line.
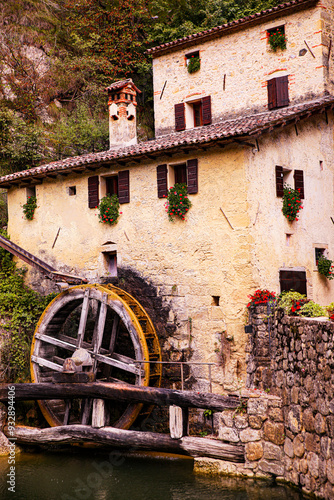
114,332
175,422
83,318
98,414
57,342
67,412
125,439
86,410
73,378
44,362
122,392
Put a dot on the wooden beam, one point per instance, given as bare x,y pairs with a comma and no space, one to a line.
121,392
124,439
83,318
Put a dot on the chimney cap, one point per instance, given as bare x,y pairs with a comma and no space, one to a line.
121,84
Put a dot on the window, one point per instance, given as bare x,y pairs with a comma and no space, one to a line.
276,38
193,114
31,191
72,190
116,184
186,173
293,280
110,264
193,62
278,92
192,55
284,176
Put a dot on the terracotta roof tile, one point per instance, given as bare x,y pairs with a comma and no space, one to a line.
121,84
223,131
264,15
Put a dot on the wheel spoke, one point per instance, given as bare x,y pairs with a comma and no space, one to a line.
98,335
83,318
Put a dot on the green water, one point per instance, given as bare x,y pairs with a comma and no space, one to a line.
89,475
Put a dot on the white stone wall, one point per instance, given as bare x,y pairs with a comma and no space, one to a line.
246,62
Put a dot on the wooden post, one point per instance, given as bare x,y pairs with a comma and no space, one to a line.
98,415
83,318
175,422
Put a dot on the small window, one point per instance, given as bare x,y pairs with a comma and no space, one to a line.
180,174
278,92
112,185
110,264
319,252
193,114
293,280
72,190
31,191
283,176
215,300
276,38
193,62
185,173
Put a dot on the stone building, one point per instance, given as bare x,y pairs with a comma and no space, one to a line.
247,121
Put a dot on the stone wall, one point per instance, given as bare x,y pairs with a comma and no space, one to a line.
294,358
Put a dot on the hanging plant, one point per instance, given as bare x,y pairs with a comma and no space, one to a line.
277,39
291,203
178,203
193,64
29,207
109,209
325,267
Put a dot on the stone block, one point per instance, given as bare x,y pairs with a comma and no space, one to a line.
272,451
295,395
257,407
313,464
330,470
294,419
228,434
322,407
330,426
274,432
276,414
312,442
298,447
256,421
248,435
308,420
288,448
241,421
254,450
272,467
303,467
319,424
226,418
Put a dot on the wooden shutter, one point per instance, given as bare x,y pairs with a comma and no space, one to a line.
162,180
124,186
192,174
271,87
180,119
282,91
299,182
93,191
293,280
206,110
279,181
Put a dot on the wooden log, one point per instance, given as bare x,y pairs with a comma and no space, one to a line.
98,414
121,392
129,440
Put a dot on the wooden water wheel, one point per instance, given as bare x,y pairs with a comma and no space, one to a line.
117,333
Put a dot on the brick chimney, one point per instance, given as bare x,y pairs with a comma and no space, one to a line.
122,105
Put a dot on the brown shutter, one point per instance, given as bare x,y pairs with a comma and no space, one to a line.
279,181
271,87
299,182
282,91
293,280
162,180
192,174
93,191
206,110
124,186
180,119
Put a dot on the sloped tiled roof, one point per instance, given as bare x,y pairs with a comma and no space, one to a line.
196,138
263,16
121,84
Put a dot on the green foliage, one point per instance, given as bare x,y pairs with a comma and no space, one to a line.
277,40
29,207
291,203
20,309
208,413
325,267
194,64
109,209
288,299
312,310
3,209
178,203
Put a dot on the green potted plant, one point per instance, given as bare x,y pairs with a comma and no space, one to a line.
193,64
30,207
178,203
277,39
109,210
324,266
291,203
